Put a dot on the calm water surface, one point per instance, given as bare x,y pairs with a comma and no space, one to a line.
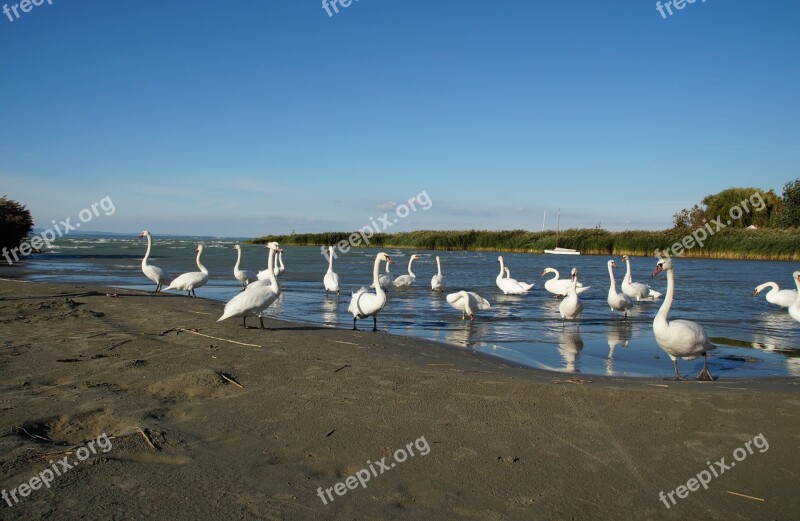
755,338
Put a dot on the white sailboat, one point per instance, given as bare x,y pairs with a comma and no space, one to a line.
557,250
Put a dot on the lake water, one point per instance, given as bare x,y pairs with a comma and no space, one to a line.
754,338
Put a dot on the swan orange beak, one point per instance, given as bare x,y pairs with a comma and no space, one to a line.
755,293
657,270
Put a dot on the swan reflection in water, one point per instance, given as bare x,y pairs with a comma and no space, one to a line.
329,307
569,346
468,333
619,334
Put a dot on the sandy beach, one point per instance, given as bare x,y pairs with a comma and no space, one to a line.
208,420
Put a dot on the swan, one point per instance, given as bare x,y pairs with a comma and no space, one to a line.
637,290
404,281
385,280
331,279
679,338
153,273
616,301
257,297
781,297
510,286
194,279
364,304
465,301
508,273
277,269
437,281
571,307
243,276
794,309
560,287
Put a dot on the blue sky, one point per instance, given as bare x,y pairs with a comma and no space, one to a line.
242,118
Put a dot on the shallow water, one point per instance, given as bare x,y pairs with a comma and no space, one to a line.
754,338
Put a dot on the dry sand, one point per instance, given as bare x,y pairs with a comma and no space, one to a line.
315,404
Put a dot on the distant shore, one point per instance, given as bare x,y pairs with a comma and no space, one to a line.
731,243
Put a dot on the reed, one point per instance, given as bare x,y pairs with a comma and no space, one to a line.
764,244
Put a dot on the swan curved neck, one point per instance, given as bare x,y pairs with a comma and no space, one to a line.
410,261
438,266
502,266
663,311
200,264
613,280
330,260
628,271
147,253
467,308
273,280
238,259
772,285
376,275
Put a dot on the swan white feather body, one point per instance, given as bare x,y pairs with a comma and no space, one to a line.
637,290
617,301
571,307
780,297
243,276
364,304
192,280
467,302
331,278
257,297
404,281
437,281
510,286
560,287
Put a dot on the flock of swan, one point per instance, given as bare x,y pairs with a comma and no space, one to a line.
683,339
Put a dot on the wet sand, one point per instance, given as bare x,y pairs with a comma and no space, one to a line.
305,407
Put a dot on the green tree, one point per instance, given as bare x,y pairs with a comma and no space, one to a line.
15,223
790,205
755,206
691,218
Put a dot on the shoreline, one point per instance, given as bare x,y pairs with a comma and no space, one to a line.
314,403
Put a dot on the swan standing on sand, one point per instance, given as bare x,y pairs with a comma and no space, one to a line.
636,290
508,285
437,281
257,297
153,273
780,297
679,338
794,309
560,287
194,279
243,276
364,304
616,301
331,279
571,307
466,301
404,281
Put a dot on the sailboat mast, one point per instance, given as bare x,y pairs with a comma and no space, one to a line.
558,226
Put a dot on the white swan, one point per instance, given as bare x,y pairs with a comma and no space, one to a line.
153,273
364,304
510,286
194,279
679,338
331,279
243,276
560,287
616,301
257,297
794,309
277,269
404,281
437,281
637,290
385,280
780,297
571,307
466,301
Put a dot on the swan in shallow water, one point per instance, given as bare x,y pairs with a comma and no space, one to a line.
365,304
560,287
331,278
277,269
280,268
437,281
637,290
467,302
679,338
780,297
616,301
258,295
508,285
243,276
150,271
571,307
404,281
386,279
794,309
194,279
